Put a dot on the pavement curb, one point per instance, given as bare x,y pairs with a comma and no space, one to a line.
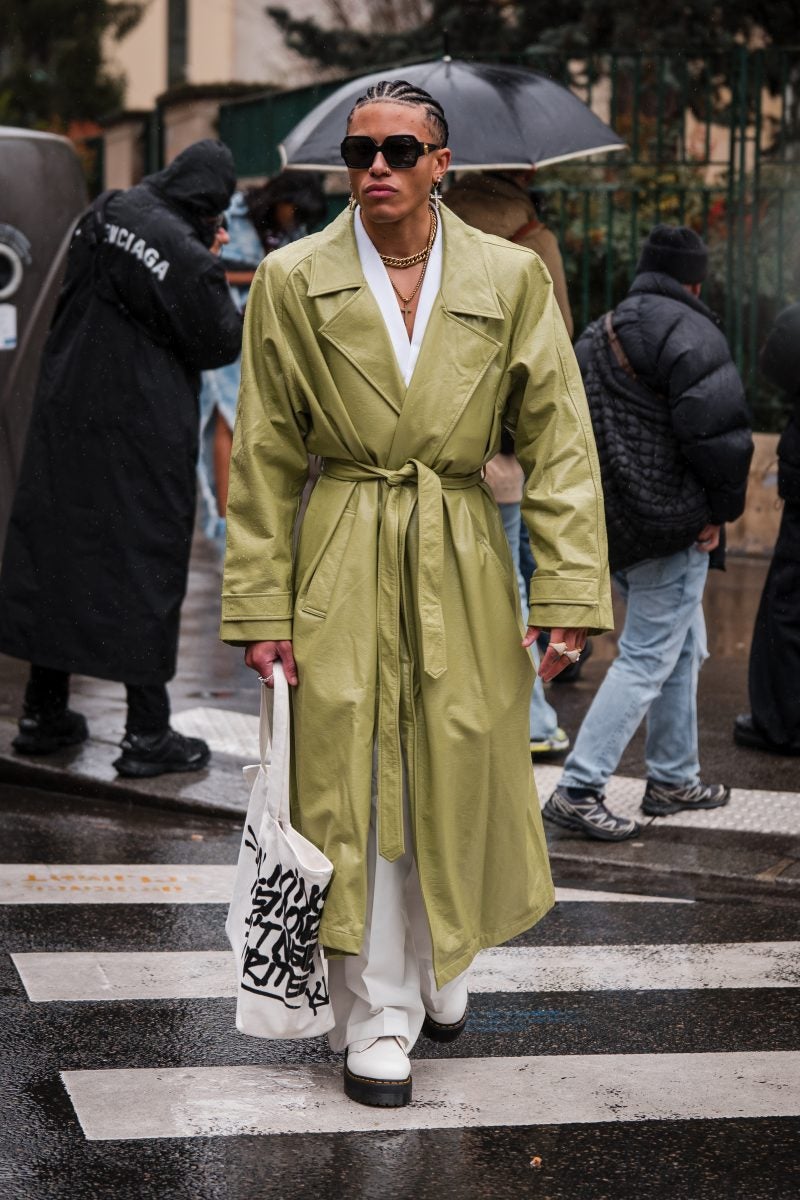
216,791
706,864
577,868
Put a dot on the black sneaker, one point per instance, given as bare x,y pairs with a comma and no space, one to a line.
589,816
661,799
144,755
47,732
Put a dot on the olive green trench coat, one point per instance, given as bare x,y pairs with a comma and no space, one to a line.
400,596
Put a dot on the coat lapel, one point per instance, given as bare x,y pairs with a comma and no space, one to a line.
351,320
463,337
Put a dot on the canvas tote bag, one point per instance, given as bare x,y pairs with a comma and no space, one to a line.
278,896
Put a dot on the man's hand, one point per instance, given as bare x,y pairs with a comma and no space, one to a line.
552,662
708,539
261,655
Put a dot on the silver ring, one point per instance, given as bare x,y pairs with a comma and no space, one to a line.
265,679
572,655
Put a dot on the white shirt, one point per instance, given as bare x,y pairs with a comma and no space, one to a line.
407,351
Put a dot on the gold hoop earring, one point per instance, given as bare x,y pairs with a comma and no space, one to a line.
352,203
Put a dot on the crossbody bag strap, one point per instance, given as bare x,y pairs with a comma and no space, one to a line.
617,349
524,230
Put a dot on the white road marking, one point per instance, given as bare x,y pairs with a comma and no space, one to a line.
189,974
171,883
448,1094
115,883
569,894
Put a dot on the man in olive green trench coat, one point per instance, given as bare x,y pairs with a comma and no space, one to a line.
401,601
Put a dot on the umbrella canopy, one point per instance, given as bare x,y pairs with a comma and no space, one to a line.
499,117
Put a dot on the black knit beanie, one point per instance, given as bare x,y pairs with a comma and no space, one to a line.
675,250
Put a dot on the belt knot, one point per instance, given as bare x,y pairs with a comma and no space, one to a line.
430,578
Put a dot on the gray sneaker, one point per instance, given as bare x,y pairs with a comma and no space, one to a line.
661,799
588,816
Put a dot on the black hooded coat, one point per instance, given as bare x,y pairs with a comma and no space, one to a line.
97,550
774,674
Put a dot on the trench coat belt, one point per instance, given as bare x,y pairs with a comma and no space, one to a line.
412,484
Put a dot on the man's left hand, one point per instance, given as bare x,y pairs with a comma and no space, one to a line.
708,538
552,662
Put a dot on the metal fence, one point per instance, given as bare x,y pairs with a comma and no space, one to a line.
255,127
713,141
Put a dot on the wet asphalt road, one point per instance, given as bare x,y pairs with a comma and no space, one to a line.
45,1155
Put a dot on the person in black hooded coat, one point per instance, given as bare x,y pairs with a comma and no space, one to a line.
773,723
97,551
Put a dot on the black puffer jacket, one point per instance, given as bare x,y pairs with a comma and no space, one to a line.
685,414
780,362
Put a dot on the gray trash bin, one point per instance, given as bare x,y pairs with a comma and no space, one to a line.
42,191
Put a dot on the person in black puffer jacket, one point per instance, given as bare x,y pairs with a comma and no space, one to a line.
773,723
674,442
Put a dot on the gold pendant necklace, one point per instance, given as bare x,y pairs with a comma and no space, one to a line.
405,301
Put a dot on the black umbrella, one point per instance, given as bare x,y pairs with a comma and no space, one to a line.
499,117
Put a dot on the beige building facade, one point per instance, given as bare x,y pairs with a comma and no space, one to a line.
207,42
202,43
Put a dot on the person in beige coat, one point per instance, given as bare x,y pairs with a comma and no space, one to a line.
498,202
396,344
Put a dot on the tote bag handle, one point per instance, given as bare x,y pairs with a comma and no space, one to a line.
275,746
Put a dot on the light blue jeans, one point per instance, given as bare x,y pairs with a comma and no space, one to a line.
543,717
654,676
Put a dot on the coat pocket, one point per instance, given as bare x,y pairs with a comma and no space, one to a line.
323,581
506,574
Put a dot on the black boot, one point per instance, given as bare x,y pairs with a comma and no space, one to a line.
46,732
147,754
747,733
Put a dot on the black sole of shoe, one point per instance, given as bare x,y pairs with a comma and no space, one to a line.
145,770
578,827
436,1032
377,1093
751,741
669,810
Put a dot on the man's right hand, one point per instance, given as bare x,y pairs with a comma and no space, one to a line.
260,656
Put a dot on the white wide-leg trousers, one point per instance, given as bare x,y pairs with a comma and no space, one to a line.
386,989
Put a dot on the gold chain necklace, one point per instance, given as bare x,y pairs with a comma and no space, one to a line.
400,264
405,301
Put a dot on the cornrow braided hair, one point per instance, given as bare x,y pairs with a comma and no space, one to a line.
400,91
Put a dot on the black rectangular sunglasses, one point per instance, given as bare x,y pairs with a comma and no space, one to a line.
401,150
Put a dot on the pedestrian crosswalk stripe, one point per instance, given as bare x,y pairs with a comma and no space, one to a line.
164,883
451,1093
115,883
171,975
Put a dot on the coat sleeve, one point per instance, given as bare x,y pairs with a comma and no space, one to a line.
562,503
269,468
709,414
205,324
